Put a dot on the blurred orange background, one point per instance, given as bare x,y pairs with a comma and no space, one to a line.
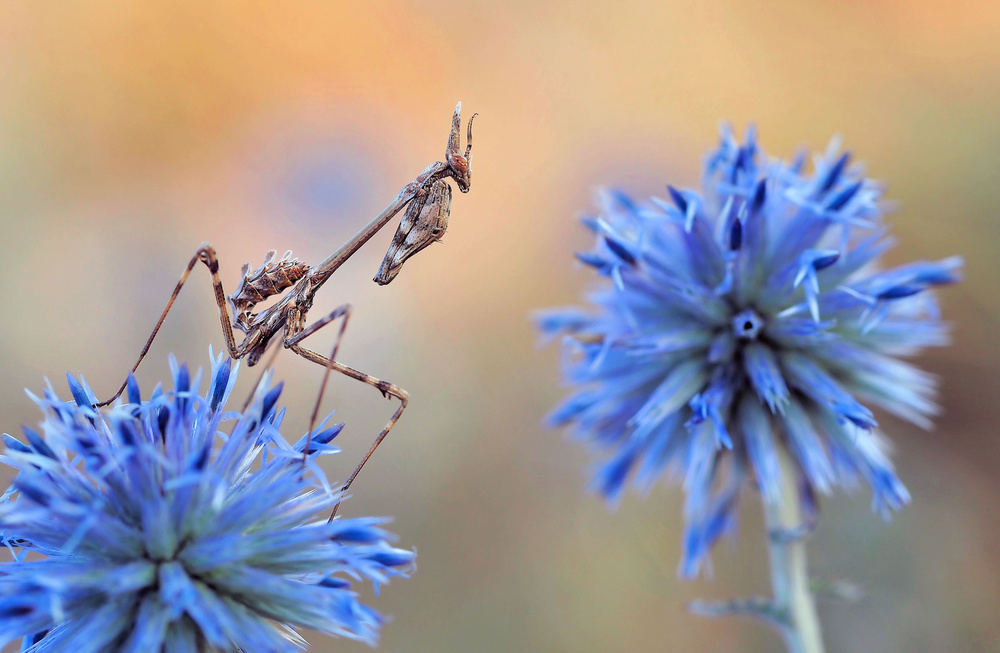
131,132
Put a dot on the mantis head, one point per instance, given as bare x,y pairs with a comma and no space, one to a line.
460,166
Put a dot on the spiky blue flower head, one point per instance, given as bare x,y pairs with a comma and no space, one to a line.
171,524
744,319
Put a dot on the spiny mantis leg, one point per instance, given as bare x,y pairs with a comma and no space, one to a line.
206,254
387,389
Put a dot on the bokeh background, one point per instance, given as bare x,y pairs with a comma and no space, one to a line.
131,132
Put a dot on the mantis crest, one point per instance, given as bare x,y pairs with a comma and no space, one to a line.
427,200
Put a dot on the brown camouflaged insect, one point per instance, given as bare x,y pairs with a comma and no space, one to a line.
428,202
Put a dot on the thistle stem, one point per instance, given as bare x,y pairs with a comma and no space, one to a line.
789,568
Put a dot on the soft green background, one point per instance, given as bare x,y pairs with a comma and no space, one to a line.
131,132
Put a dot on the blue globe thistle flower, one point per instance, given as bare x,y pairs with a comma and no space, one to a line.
161,532
746,318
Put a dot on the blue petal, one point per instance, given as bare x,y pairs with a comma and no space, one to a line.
134,396
79,395
811,380
759,438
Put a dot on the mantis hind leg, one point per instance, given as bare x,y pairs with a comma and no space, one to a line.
206,254
387,389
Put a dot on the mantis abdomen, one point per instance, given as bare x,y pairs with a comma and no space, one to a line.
271,278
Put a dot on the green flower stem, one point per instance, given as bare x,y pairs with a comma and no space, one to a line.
789,569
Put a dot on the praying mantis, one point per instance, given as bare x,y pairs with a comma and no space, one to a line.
427,200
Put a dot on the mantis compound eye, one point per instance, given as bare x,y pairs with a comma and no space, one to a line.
459,163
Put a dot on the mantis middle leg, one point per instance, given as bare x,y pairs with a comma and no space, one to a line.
387,389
